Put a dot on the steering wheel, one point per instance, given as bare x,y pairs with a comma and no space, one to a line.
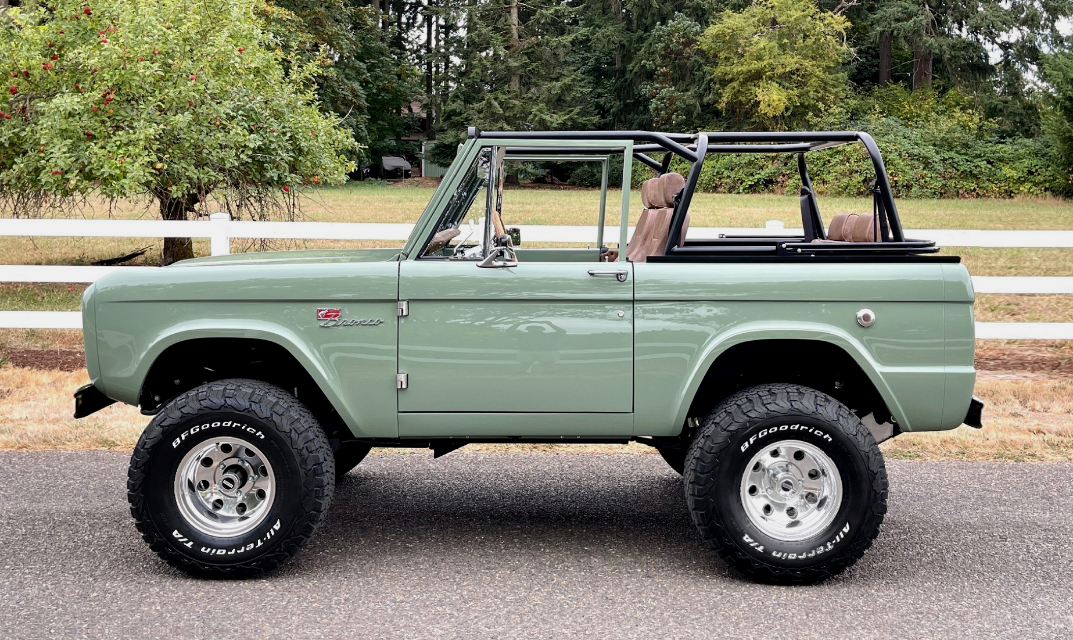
441,240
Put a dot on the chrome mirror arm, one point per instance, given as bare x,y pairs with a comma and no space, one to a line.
490,261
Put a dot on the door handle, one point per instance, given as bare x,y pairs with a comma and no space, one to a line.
620,274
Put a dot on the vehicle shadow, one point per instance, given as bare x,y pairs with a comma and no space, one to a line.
563,509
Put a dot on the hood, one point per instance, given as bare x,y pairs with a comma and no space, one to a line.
320,256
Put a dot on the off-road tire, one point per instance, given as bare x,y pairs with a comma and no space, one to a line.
303,471
725,445
347,457
675,458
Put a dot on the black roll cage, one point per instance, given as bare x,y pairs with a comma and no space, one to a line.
695,147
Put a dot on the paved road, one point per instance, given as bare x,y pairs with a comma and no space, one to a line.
537,545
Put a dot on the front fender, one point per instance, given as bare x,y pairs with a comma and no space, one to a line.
353,367
324,376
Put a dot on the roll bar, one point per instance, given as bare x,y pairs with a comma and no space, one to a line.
694,147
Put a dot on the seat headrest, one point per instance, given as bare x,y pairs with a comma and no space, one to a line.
852,227
650,194
658,193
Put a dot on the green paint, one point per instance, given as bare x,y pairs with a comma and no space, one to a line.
541,349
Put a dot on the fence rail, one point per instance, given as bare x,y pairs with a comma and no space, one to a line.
220,230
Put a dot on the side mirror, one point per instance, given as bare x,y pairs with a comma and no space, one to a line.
515,236
491,262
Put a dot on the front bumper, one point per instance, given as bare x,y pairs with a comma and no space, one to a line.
975,417
89,399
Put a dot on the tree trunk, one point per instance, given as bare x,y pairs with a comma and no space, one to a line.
176,249
922,75
428,69
515,44
884,58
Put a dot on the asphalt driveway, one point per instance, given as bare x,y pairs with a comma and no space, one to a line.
537,545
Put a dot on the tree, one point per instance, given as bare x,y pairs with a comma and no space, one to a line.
518,71
170,99
777,62
1058,119
364,80
677,87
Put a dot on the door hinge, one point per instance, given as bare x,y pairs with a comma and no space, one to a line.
404,308
402,381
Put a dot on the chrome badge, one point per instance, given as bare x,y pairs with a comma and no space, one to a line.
334,318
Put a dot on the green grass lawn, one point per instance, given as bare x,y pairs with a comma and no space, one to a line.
368,203
394,203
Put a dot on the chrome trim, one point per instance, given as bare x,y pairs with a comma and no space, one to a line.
620,274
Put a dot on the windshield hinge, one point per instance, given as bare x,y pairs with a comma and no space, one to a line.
404,308
402,381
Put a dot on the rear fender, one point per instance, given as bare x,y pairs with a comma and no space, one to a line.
767,330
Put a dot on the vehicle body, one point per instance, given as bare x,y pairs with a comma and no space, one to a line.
437,346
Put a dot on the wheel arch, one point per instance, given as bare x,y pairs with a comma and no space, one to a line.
167,370
805,355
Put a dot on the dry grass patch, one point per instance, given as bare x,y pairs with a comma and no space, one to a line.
1025,420
36,408
1014,261
1023,308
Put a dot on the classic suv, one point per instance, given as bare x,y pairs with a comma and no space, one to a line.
765,369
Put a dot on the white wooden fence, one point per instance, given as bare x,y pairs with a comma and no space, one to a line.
220,229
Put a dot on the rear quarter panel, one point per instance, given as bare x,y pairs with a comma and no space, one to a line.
918,353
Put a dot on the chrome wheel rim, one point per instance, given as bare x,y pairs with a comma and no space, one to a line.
224,487
791,490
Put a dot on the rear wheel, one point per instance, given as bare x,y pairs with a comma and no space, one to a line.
230,479
786,484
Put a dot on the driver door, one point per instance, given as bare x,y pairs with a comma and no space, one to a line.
533,349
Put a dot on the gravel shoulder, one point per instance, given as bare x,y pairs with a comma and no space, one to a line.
536,545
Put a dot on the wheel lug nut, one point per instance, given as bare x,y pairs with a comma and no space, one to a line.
791,512
810,498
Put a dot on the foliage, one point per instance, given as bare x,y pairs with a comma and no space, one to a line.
677,87
777,62
1058,70
921,162
507,83
362,79
163,98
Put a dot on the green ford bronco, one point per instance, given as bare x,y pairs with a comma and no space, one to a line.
763,368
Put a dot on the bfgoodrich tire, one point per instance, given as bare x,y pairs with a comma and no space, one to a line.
785,484
230,479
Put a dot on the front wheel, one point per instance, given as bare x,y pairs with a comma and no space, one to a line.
786,484
230,479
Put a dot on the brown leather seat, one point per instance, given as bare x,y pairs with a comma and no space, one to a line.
852,227
650,235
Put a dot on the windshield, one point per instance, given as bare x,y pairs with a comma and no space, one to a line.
460,230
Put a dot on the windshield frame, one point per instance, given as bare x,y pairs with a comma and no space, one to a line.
432,216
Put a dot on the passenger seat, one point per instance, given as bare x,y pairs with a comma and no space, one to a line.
650,236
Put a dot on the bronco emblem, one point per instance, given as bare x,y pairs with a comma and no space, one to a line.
333,318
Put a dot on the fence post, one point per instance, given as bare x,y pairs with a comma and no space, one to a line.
219,241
